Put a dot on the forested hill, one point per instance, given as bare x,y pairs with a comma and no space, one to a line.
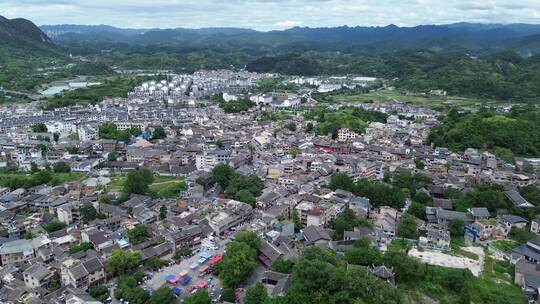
522,38
21,35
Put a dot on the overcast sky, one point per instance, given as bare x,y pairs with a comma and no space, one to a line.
269,14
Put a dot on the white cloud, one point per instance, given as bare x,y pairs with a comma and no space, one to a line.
269,14
288,24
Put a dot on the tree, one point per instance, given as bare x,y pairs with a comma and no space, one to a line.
245,196
123,262
34,167
164,295
200,297
72,150
341,181
53,226
256,294
61,167
159,133
128,290
456,227
283,266
346,221
249,238
88,213
419,164
162,212
112,156
228,295
138,181
80,247
237,264
309,127
363,254
56,137
39,128
407,227
138,234
291,126
294,151
154,263
222,174
99,292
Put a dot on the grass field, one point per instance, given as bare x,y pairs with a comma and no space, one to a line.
163,186
505,245
397,96
57,178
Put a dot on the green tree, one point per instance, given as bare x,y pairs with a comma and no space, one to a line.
39,128
294,151
112,156
164,295
138,234
237,264
159,133
138,181
250,238
407,227
53,226
72,150
99,292
88,213
34,167
456,227
419,164
56,137
128,290
162,212
245,196
282,265
80,247
309,127
291,126
256,295
154,263
341,180
228,295
123,262
61,167
200,297
222,174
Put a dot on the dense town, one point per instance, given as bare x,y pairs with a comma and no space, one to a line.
134,197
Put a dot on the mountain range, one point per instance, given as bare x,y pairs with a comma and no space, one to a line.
473,37
22,35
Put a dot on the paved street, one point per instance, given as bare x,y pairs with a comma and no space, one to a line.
158,278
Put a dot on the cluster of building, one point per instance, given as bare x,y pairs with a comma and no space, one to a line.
296,207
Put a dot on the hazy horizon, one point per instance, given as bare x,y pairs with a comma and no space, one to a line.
266,15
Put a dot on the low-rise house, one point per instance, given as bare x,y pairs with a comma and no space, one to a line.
535,226
530,251
17,251
437,239
478,214
82,274
444,216
507,221
519,201
37,276
316,235
230,215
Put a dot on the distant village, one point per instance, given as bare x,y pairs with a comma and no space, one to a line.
295,209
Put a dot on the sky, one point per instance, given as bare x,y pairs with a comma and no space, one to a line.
269,14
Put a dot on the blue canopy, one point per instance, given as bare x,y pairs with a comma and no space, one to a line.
170,277
176,290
